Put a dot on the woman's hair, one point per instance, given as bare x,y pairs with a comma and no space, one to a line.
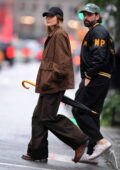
59,24
60,18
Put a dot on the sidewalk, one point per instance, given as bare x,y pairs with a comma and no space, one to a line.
113,134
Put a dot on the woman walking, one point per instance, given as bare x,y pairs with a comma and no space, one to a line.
55,75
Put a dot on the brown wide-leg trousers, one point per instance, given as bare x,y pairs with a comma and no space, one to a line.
45,118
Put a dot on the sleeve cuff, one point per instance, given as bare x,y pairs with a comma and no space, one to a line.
87,76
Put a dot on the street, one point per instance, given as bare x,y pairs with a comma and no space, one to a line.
16,108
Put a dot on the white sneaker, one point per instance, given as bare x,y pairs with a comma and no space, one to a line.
85,159
99,149
111,158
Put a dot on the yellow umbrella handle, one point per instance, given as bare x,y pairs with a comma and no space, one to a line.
26,81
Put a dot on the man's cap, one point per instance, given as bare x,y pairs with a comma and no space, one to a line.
92,8
53,11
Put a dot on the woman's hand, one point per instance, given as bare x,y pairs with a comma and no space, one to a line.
86,81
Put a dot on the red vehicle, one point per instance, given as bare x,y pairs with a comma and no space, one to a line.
8,52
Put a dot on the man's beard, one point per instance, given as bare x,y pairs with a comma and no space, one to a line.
88,23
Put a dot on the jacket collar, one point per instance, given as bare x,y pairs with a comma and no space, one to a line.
53,31
48,39
94,25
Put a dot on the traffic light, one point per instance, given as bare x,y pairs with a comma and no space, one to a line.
103,22
80,16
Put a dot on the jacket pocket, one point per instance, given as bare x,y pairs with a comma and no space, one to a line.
60,72
52,75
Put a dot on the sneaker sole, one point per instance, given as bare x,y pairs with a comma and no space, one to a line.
88,162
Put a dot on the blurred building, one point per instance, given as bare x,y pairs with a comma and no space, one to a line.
2,13
28,20
6,20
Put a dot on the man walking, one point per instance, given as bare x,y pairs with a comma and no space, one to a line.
97,55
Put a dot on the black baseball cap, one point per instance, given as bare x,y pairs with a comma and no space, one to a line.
53,11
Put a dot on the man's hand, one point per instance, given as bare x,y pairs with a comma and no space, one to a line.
86,81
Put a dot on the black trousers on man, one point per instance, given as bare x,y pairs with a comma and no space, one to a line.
93,96
45,118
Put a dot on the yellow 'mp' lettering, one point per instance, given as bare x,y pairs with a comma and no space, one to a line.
97,42
102,42
85,43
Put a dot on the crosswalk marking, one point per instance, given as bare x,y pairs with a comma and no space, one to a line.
22,166
61,158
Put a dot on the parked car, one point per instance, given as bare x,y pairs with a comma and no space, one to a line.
7,50
27,50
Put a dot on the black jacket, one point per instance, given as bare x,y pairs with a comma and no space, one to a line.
97,52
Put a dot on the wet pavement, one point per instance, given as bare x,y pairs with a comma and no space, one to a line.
16,107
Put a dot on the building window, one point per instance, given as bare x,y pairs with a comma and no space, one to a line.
59,5
22,6
47,6
72,12
34,6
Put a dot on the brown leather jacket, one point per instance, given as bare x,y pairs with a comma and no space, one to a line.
56,70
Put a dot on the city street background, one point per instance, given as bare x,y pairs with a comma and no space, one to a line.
22,37
16,107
